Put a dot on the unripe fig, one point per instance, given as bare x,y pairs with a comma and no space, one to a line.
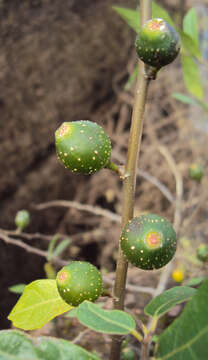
157,43
202,252
22,219
196,172
128,354
83,146
148,241
79,281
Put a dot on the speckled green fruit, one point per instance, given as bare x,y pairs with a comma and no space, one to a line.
157,43
148,241
83,146
202,252
79,281
196,172
22,219
128,354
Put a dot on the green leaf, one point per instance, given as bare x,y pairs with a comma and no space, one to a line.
15,345
55,349
132,17
61,247
159,12
187,337
192,77
39,303
131,79
106,321
168,299
188,100
190,25
17,289
185,99
71,313
195,281
189,45
51,246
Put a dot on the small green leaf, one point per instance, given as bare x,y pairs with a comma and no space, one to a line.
195,281
61,247
191,77
190,25
39,303
185,99
159,12
167,300
189,45
106,321
17,289
55,349
132,17
15,345
186,338
131,79
188,100
51,246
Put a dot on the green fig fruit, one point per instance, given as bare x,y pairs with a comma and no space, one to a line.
148,241
79,281
196,172
83,146
157,43
202,252
22,219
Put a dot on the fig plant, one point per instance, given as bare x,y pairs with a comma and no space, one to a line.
148,241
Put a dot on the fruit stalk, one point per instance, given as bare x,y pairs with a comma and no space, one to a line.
129,179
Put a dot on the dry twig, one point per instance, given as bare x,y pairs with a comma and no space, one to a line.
84,207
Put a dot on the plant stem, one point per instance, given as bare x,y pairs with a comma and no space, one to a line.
145,347
129,179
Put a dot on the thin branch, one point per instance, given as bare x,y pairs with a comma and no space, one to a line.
179,186
131,288
129,181
152,179
58,261
30,248
28,236
80,336
177,218
76,205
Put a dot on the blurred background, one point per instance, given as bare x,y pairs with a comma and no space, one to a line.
71,60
